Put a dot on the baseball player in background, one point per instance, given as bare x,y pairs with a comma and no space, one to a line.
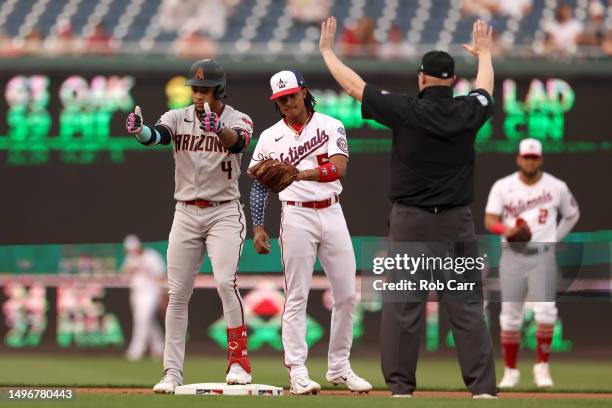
312,224
145,270
523,209
209,138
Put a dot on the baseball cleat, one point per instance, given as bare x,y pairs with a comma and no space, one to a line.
304,386
511,378
238,375
484,396
401,396
352,381
166,385
541,375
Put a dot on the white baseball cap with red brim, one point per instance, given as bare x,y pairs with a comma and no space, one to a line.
286,83
530,147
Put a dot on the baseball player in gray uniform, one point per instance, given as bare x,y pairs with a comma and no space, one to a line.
529,199
209,138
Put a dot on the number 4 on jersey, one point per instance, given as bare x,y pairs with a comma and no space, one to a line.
226,166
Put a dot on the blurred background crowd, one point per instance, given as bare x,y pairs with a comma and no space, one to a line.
388,29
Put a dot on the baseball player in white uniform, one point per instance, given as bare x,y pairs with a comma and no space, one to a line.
145,269
312,224
209,138
528,271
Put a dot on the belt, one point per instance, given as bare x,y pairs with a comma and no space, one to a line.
436,209
315,204
524,250
206,203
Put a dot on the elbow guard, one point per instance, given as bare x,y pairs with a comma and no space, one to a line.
242,141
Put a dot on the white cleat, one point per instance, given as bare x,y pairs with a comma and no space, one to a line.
541,375
402,396
511,378
484,396
237,375
305,386
352,381
166,385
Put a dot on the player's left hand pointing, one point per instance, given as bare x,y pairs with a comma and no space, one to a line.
210,121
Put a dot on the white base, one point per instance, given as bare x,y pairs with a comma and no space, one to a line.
226,389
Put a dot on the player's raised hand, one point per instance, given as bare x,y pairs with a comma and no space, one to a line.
133,123
261,241
210,121
482,39
328,32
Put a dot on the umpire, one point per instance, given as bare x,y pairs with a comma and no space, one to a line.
432,171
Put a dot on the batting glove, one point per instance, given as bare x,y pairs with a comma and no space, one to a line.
133,123
210,122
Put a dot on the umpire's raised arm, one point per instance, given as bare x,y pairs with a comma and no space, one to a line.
482,39
348,79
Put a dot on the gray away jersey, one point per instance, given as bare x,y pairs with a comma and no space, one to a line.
204,169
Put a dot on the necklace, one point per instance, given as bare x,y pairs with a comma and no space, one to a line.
298,132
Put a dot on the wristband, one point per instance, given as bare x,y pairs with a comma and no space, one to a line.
498,228
328,173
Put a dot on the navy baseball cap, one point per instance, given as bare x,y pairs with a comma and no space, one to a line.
438,64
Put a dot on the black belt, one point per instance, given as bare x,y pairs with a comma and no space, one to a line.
436,209
525,250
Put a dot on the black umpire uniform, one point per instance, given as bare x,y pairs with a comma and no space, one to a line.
432,186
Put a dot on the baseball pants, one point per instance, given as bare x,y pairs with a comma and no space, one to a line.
146,330
402,321
220,231
306,234
531,278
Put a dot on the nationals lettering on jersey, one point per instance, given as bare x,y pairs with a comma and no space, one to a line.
539,204
321,138
204,168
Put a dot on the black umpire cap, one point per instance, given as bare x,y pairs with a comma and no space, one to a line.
438,64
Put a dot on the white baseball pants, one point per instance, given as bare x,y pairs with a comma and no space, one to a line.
146,330
306,233
531,278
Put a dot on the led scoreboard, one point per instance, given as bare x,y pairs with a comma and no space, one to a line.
80,118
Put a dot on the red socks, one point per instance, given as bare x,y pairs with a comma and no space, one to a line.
510,340
237,348
544,335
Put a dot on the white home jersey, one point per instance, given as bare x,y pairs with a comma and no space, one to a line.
538,204
204,168
321,138
145,270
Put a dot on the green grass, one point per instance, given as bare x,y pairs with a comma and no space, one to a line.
168,401
432,374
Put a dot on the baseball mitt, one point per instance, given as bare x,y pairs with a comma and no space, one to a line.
274,174
522,234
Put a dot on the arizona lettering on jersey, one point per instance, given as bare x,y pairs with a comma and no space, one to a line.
321,138
539,204
204,168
